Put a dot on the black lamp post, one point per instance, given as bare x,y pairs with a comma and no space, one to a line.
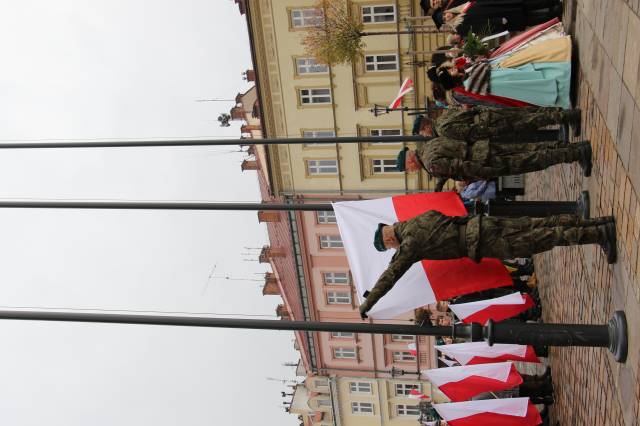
612,335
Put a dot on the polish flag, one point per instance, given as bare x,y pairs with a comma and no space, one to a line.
416,394
425,282
494,412
481,353
497,309
413,349
463,383
407,87
449,362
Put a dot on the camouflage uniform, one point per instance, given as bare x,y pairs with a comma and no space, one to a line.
497,123
481,160
434,236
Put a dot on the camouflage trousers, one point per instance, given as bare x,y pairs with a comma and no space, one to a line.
505,238
514,122
506,159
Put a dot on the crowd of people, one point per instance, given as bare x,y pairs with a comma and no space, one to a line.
498,100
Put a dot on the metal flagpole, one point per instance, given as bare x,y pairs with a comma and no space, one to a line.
209,142
612,335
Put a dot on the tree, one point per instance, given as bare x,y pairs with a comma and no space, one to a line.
337,39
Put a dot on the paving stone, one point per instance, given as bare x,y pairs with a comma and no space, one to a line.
619,39
613,109
632,54
634,151
625,125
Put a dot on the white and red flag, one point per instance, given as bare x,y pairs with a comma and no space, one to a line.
407,87
425,282
494,412
463,383
497,309
415,393
481,353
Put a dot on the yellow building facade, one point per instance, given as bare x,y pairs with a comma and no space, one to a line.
302,98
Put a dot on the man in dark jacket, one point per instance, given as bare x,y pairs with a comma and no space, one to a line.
434,236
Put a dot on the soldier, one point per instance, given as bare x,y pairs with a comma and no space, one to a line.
448,158
434,236
509,124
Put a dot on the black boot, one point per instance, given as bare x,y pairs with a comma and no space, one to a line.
608,241
574,119
585,157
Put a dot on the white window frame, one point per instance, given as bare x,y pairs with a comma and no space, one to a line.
407,410
361,388
385,132
377,61
308,66
403,356
331,242
306,17
374,14
321,383
339,298
342,335
336,278
345,353
315,96
322,167
366,408
326,217
404,389
403,338
323,402
383,166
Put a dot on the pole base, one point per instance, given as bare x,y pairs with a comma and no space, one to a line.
583,206
618,338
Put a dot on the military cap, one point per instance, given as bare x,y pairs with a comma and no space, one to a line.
438,17
378,243
400,160
432,74
446,80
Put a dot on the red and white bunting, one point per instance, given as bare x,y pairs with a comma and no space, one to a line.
494,412
497,309
426,281
416,394
407,87
463,383
481,353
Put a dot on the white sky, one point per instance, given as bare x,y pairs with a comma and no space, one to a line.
84,69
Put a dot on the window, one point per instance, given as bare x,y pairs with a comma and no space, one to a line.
339,298
322,167
315,96
310,66
404,389
381,62
321,383
407,410
403,356
308,17
335,278
362,408
344,353
342,335
325,217
330,241
378,14
360,387
383,165
324,403
319,134
403,338
385,132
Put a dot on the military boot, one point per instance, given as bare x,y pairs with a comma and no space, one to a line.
584,148
608,241
564,133
574,119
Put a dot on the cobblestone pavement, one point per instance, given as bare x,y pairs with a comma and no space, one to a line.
576,284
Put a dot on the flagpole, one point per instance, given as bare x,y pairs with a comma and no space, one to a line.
211,142
612,335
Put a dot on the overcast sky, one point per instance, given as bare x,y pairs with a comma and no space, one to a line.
89,69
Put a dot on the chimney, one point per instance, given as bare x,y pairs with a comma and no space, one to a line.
250,165
268,216
250,75
237,113
270,285
248,128
282,312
